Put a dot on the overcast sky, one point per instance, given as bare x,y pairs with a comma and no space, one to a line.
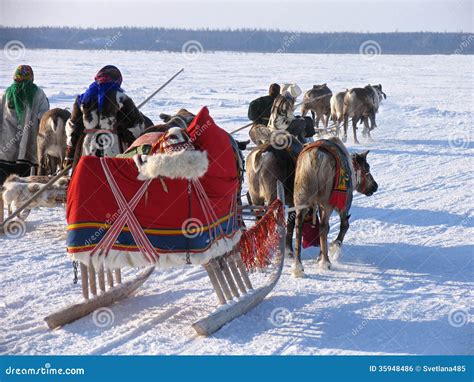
297,15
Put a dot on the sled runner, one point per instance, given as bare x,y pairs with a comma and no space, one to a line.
177,207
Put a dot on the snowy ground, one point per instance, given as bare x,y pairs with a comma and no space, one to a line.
404,283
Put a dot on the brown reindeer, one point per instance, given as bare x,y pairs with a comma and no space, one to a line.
317,100
265,166
51,144
337,108
361,105
314,181
377,95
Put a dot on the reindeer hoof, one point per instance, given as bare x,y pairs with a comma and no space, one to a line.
298,272
289,252
335,249
324,265
356,142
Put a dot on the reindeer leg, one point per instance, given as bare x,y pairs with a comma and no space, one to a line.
346,123
354,128
367,127
323,260
290,226
326,121
298,270
373,124
343,228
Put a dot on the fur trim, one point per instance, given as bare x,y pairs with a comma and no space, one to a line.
185,164
120,259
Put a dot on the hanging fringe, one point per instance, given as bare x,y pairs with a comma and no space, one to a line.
259,243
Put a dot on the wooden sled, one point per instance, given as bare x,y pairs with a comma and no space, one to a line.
227,273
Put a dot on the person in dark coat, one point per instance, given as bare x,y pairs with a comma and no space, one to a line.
104,120
260,108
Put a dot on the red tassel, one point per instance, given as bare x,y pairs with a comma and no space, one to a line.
310,234
338,200
259,243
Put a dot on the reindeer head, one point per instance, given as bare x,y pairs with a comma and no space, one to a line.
364,181
175,139
378,89
182,118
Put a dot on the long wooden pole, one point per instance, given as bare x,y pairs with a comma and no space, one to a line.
160,88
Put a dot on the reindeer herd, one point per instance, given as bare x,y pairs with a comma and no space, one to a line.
309,175
357,104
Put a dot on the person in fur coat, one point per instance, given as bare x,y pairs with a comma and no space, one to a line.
104,120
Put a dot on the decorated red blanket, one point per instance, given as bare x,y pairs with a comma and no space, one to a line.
343,180
171,213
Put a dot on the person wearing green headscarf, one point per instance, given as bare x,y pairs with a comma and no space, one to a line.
22,106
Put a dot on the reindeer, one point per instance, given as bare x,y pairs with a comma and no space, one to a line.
314,181
266,165
51,144
361,105
317,100
337,108
377,95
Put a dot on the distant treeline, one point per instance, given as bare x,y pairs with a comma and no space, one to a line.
242,40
